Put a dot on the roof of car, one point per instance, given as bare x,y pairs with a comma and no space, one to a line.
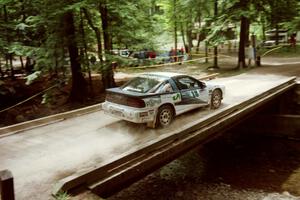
163,74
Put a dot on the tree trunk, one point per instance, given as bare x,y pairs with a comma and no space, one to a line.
216,47
12,71
199,34
85,54
242,44
97,33
9,56
1,72
206,52
78,91
182,34
105,27
247,37
189,34
263,28
276,34
22,63
175,29
107,71
190,42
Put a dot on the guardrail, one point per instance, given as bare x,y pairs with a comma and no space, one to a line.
114,174
8,130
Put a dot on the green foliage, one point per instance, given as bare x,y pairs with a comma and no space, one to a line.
32,77
19,49
294,24
47,98
62,196
281,11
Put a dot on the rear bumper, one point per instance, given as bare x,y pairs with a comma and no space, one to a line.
136,115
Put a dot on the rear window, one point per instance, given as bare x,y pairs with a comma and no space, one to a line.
142,84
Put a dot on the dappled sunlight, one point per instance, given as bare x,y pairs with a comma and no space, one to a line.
292,183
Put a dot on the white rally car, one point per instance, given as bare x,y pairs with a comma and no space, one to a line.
156,98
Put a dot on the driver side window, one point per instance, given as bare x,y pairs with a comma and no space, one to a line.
165,88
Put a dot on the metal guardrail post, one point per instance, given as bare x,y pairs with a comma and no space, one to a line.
6,185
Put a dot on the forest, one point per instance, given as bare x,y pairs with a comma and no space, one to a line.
66,42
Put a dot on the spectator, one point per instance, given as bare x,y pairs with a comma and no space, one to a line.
181,53
171,54
250,54
293,40
229,46
152,54
174,54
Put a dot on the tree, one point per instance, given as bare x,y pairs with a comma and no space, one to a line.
78,82
243,11
280,12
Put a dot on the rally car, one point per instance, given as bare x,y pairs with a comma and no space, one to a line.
156,98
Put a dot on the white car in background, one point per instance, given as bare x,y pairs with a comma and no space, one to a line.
156,98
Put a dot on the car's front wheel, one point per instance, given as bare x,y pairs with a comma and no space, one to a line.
164,116
216,99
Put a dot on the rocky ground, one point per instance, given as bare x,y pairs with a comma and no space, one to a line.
252,169
249,168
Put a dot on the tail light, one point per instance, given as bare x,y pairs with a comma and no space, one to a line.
135,102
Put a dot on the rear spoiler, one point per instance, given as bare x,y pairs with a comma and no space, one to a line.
132,94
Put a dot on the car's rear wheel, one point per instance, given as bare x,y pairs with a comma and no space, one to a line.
216,99
164,116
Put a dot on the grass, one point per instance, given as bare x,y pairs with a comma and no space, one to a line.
62,196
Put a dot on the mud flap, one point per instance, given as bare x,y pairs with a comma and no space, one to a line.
151,124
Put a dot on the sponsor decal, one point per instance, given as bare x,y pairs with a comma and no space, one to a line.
152,102
176,97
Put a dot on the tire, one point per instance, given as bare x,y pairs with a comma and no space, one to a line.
164,116
216,99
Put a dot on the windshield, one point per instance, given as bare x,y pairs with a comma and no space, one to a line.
142,84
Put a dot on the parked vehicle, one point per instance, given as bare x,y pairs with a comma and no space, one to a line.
145,54
272,36
121,52
156,98
163,57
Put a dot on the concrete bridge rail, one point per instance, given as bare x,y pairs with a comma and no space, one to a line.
113,175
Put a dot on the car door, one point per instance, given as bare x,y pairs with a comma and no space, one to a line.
194,93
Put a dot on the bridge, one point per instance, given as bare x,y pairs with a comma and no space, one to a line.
87,150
